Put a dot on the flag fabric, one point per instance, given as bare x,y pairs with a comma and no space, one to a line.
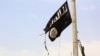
58,22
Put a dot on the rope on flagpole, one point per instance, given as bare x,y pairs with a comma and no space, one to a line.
46,45
59,47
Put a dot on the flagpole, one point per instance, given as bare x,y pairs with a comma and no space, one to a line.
74,28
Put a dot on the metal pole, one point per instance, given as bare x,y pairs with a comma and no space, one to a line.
74,28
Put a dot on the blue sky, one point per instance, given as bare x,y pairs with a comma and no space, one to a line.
22,21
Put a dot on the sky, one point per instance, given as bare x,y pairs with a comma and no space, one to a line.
22,22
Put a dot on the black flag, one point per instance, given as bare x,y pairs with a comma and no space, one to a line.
58,22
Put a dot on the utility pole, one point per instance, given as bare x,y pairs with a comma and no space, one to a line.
74,28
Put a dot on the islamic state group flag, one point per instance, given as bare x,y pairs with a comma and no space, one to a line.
58,22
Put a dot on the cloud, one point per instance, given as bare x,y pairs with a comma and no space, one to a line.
91,49
5,52
64,49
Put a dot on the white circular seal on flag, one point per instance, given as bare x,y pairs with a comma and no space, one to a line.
53,32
